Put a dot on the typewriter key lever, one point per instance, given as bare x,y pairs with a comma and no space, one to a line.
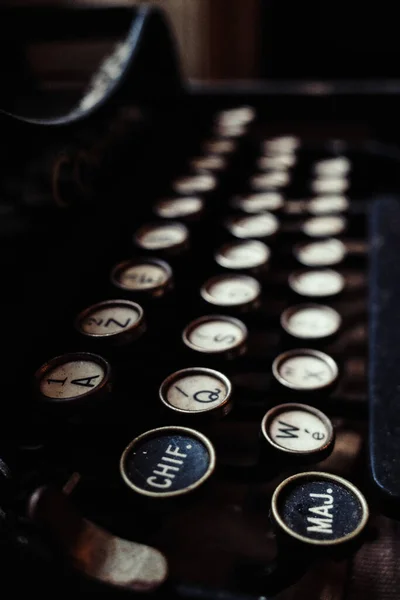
95,552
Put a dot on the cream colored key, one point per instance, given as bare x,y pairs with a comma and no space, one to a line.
305,370
257,203
219,146
248,254
115,321
332,167
216,334
263,225
276,162
172,237
324,205
324,253
151,277
331,185
195,184
197,391
265,181
208,163
298,429
311,321
233,130
282,144
317,283
179,208
236,116
324,226
235,291
73,377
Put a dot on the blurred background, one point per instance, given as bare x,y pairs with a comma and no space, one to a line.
251,39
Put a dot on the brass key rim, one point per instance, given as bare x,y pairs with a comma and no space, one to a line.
137,325
90,395
328,477
292,310
153,433
214,352
322,356
156,290
223,407
281,408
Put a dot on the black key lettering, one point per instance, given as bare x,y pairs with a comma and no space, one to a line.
142,278
310,374
207,395
287,430
181,391
92,320
228,339
118,323
62,381
85,381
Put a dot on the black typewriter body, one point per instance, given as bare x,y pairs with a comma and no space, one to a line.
80,195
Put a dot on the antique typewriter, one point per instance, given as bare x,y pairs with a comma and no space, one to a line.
200,324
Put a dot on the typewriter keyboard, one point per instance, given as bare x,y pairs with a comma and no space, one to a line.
205,397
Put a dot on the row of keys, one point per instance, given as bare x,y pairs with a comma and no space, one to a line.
86,377
315,508
155,278
122,321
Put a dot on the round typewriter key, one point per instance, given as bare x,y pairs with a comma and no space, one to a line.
331,185
208,163
77,377
324,253
319,509
217,146
167,462
216,335
332,167
297,430
282,144
235,291
249,255
170,237
263,225
305,369
273,179
257,203
186,208
197,391
195,184
276,162
324,226
118,322
311,321
324,205
236,116
318,283
150,277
